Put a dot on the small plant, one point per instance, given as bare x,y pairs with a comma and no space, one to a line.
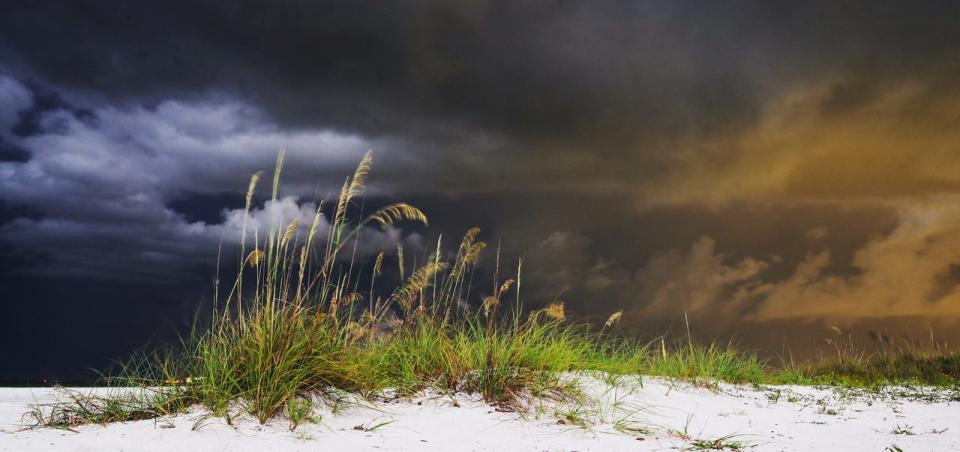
628,427
576,415
902,430
774,396
373,425
300,411
135,404
613,381
304,436
685,433
722,443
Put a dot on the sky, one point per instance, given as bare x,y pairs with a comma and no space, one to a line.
762,170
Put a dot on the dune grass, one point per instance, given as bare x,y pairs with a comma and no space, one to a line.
302,318
917,368
892,362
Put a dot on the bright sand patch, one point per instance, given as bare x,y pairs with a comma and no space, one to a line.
665,414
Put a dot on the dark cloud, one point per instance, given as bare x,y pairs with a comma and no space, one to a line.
43,100
547,75
11,153
724,159
126,193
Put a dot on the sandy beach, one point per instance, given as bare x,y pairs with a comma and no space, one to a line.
631,414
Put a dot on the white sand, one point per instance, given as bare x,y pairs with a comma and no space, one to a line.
768,418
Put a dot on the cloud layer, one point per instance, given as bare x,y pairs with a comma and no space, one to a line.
757,162
102,183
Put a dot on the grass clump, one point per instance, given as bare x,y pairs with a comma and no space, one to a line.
693,361
723,443
908,368
299,411
116,406
304,319
902,362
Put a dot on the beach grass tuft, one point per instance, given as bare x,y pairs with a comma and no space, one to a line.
304,320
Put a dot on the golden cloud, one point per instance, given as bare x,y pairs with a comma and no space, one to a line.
903,141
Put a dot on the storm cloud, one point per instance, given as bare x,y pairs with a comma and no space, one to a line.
754,163
105,183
